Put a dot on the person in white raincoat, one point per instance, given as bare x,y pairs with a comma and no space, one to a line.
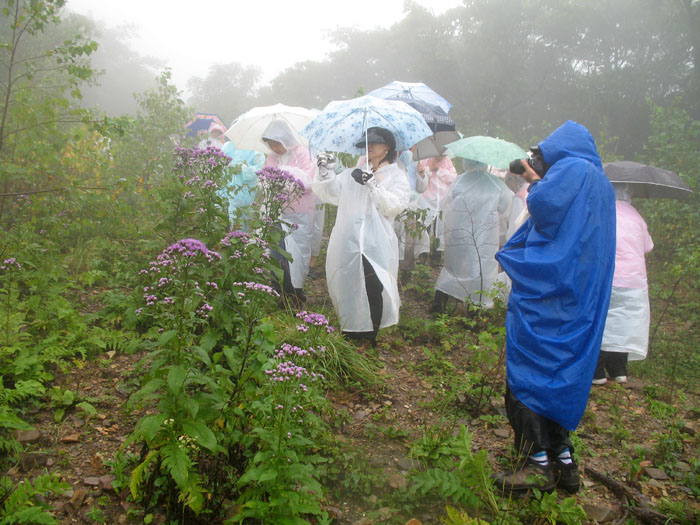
409,245
362,259
288,154
626,332
475,209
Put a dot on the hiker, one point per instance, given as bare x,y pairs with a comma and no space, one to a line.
476,208
626,334
287,153
561,263
362,257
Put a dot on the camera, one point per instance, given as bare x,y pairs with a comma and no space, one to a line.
535,161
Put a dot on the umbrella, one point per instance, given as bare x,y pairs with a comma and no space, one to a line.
488,150
246,131
647,181
434,116
411,91
434,145
201,122
342,123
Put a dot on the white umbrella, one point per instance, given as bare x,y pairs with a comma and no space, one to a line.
246,131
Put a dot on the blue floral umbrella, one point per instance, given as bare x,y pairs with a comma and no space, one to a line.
343,122
411,91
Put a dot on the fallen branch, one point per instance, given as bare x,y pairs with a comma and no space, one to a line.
642,508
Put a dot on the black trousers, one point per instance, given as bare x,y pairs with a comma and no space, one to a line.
614,362
374,289
534,432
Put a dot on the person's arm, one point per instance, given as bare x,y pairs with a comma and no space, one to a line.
392,195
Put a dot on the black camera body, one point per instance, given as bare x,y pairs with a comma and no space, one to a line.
536,162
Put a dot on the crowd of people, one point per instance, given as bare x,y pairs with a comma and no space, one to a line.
564,246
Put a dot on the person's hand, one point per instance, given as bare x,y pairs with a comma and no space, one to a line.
529,175
326,165
363,177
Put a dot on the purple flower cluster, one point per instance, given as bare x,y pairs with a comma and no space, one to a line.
189,248
200,160
10,264
243,236
257,287
313,319
276,176
286,371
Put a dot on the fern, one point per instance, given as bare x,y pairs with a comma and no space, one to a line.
22,506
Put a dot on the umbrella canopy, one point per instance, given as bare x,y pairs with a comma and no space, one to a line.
434,116
434,145
411,91
246,131
343,122
201,122
646,181
488,150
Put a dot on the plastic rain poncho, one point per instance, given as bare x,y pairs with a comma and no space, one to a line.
363,226
561,263
440,174
240,191
627,324
297,161
476,208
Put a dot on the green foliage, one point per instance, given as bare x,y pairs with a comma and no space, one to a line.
21,503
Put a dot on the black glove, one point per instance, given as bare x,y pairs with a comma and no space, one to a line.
357,175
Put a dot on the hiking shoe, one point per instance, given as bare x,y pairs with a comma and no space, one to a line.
621,379
530,476
567,476
600,381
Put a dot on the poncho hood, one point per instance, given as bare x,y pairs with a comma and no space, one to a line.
571,139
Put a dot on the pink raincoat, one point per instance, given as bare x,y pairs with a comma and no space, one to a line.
299,163
627,324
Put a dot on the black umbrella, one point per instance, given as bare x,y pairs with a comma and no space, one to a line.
434,116
647,181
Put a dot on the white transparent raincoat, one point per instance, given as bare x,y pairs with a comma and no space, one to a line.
363,226
302,166
476,209
627,324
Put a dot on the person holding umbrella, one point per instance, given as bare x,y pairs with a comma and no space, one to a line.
362,257
627,325
288,154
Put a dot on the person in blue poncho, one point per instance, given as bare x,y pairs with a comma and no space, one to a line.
561,263
240,191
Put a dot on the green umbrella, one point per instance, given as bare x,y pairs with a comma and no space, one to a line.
489,150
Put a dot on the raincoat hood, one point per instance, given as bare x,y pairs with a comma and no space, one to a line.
279,131
571,139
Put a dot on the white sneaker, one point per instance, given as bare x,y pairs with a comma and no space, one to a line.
601,381
621,379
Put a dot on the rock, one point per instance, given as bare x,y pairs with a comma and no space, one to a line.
599,514
97,462
503,433
71,438
78,497
655,473
683,467
111,354
106,482
397,480
49,462
333,512
27,436
91,481
31,460
359,415
407,464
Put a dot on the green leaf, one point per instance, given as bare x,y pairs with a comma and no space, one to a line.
201,434
58,414
87,408
176,379
166,337
149,426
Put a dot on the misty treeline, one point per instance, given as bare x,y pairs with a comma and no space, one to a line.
511,68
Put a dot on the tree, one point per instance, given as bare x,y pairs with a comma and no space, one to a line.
228,90
39,83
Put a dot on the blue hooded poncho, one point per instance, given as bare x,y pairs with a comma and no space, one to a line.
561,261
